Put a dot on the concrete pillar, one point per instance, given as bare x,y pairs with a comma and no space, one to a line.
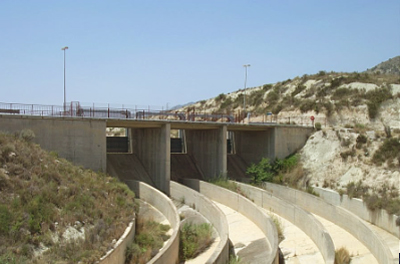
209,151
153,148
222,151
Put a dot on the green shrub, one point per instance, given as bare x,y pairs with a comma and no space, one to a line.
272,97
308,105
226,104
389,151
356,190
194,239
261,172
27,135
149,239
220,97
342,93
267,87
318,126
376,98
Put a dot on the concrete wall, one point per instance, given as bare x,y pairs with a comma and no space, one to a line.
209,150
300,218
82,142
254,145
117,255
153,147
377,217
341,217
244,206
169,254
290,139
212,213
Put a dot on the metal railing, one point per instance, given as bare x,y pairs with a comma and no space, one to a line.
74,109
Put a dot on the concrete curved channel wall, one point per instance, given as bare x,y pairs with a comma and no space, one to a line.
169,254
117,255
213,214
341,217
244,206
378,217
299,217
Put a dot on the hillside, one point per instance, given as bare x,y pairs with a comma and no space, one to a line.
346,105
391,66
54,212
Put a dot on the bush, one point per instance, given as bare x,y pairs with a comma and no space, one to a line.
27,135
267,87
342,256
194,239
272,97
342,93
389,151
149,239
220,97
376,98
308,105
318,126
348,153
261,172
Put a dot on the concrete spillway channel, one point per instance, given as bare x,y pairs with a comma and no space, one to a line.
251,230
304,233
219,250
336,218
170,251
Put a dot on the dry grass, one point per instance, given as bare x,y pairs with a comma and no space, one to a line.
342,256
149,239
42,195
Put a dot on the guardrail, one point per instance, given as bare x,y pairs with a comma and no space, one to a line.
244,206
75,109
336,214
212,213
299,217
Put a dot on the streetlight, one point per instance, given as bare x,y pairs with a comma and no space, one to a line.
245,83
65,98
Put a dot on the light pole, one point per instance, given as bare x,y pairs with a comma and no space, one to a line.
245,83
65,97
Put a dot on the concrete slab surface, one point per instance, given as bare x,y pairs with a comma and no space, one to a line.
297,247
341,238
249,242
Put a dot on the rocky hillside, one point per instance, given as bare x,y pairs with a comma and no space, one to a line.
346,105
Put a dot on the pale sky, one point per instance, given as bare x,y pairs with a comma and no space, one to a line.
161,53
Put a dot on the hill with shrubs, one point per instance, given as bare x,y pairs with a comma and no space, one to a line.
54,212
357,119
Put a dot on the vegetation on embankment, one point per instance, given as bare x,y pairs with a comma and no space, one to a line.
149,239
54,212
